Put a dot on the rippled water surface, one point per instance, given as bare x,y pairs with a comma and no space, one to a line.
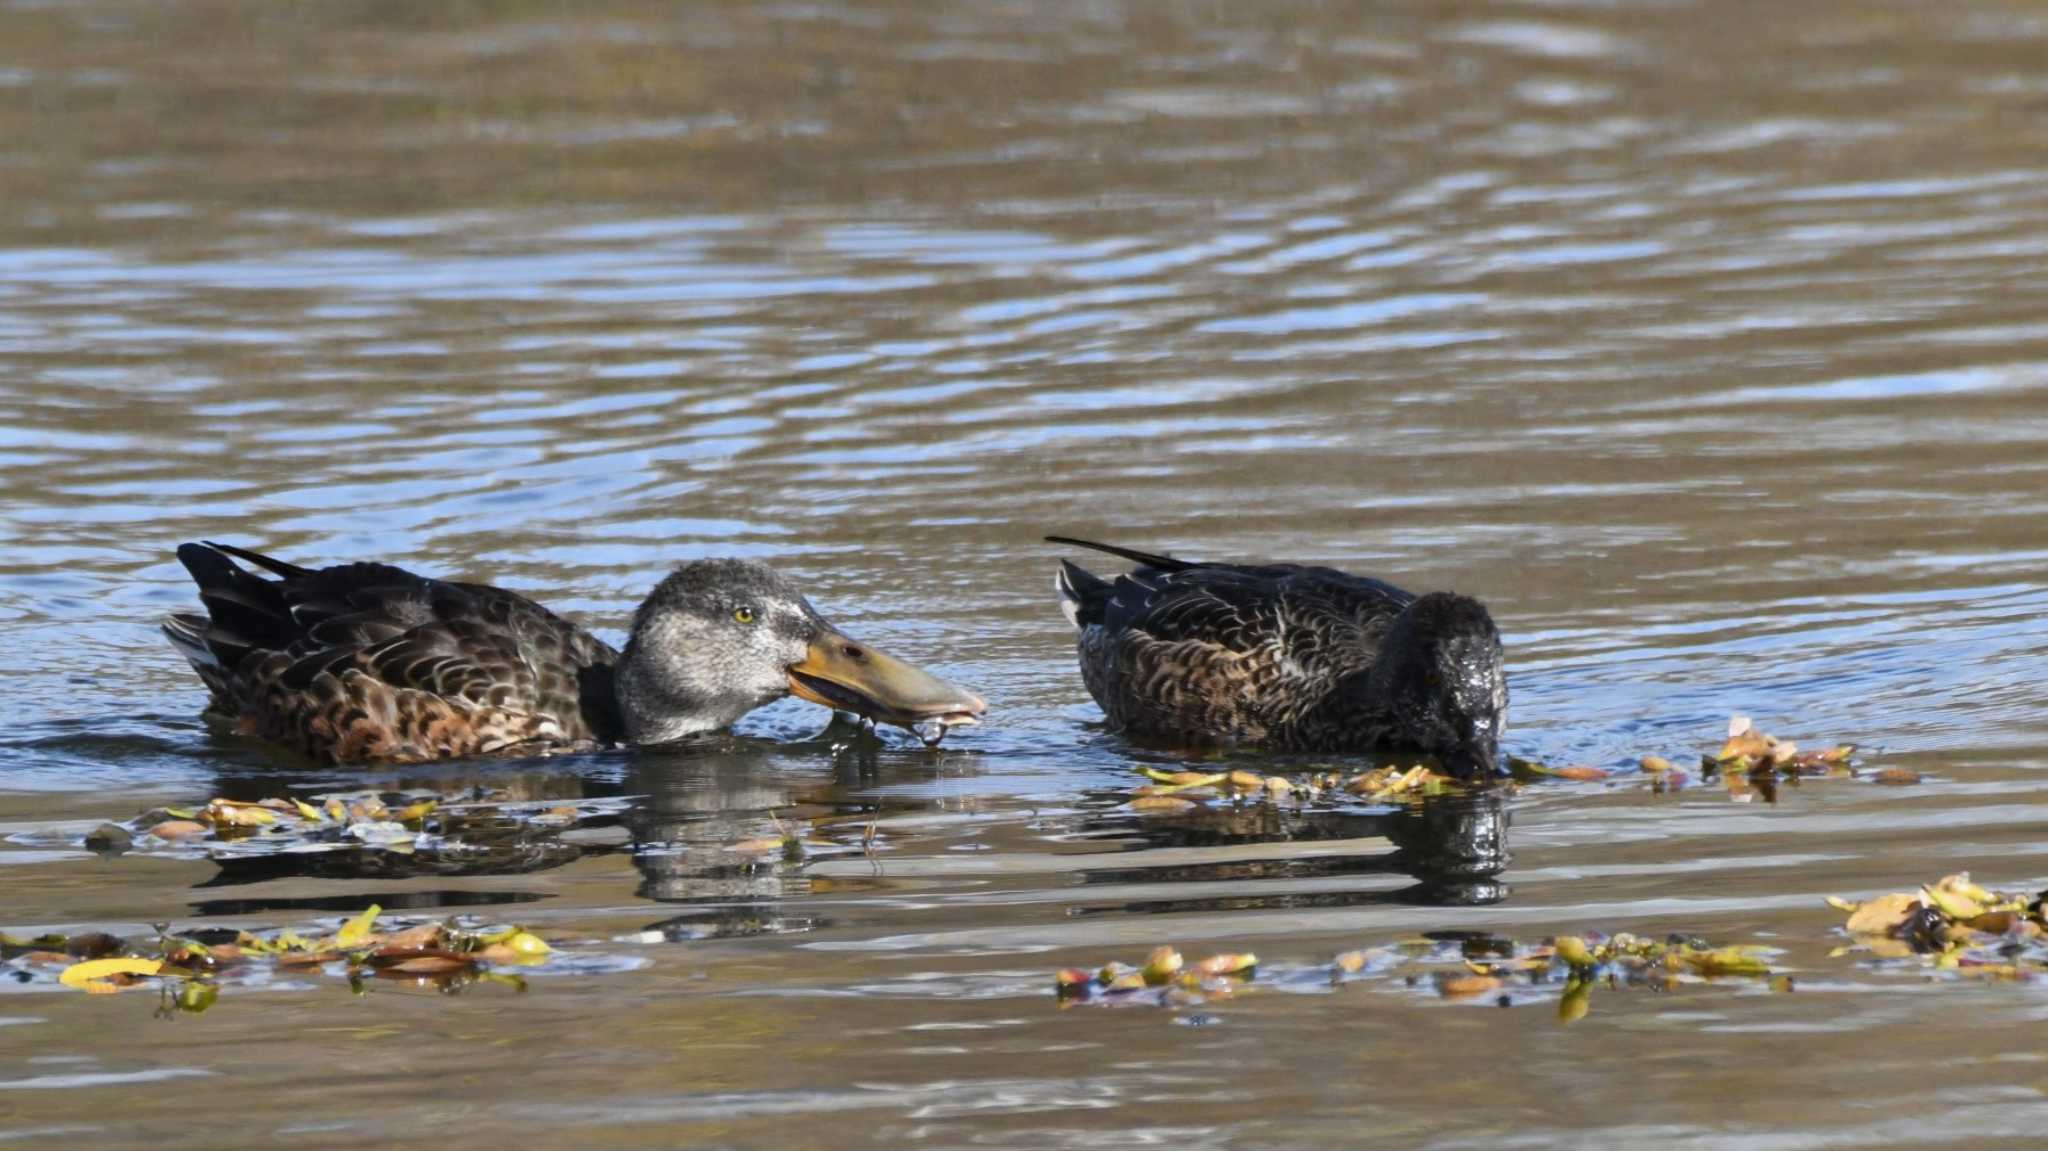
1706,344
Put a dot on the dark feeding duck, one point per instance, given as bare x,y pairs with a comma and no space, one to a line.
1288,657
366,662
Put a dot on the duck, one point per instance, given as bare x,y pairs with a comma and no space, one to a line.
1287,656
370,663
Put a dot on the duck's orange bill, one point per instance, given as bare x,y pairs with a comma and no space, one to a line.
841,673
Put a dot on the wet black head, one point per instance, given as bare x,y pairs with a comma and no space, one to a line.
719,638
1440,672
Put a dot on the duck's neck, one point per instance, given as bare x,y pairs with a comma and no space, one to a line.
656,706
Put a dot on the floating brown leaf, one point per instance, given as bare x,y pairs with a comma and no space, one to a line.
177,829
1883,915
1466,986
421,960
1162,804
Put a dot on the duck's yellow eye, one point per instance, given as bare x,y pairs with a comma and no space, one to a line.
743,614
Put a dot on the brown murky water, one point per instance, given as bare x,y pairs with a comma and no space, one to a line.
1705,342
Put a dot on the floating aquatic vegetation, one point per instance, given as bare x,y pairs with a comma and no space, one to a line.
1165,979
1952,925
473,831
1749,749
191,968
1460,967
1748,763
1174,792
1530,771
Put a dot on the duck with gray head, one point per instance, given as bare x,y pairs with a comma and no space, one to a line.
1288,657
367,662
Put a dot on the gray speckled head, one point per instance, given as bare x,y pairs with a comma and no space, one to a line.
719,638
712,642
1440,669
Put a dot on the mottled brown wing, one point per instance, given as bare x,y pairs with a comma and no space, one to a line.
368,661
1226,652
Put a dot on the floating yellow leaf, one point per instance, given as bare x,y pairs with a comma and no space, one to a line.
1184,778
1351,962
1724,961
1226,964
1161,965
357,931
229,813
413,813
92,974
1950,902
307,811
527,943
1574,951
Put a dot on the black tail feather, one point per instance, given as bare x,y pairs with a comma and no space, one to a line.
267,563
245,611
1149,559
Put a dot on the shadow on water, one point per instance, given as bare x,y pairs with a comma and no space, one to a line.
1452,846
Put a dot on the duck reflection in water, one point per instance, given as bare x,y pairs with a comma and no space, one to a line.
733,829
1451,846
679,812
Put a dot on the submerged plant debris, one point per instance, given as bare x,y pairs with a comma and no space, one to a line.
1954,926
1454,966
189,969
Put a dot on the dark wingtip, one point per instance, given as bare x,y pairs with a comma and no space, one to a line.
1149,559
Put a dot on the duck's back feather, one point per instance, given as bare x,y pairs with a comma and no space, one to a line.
1216,651
372,662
